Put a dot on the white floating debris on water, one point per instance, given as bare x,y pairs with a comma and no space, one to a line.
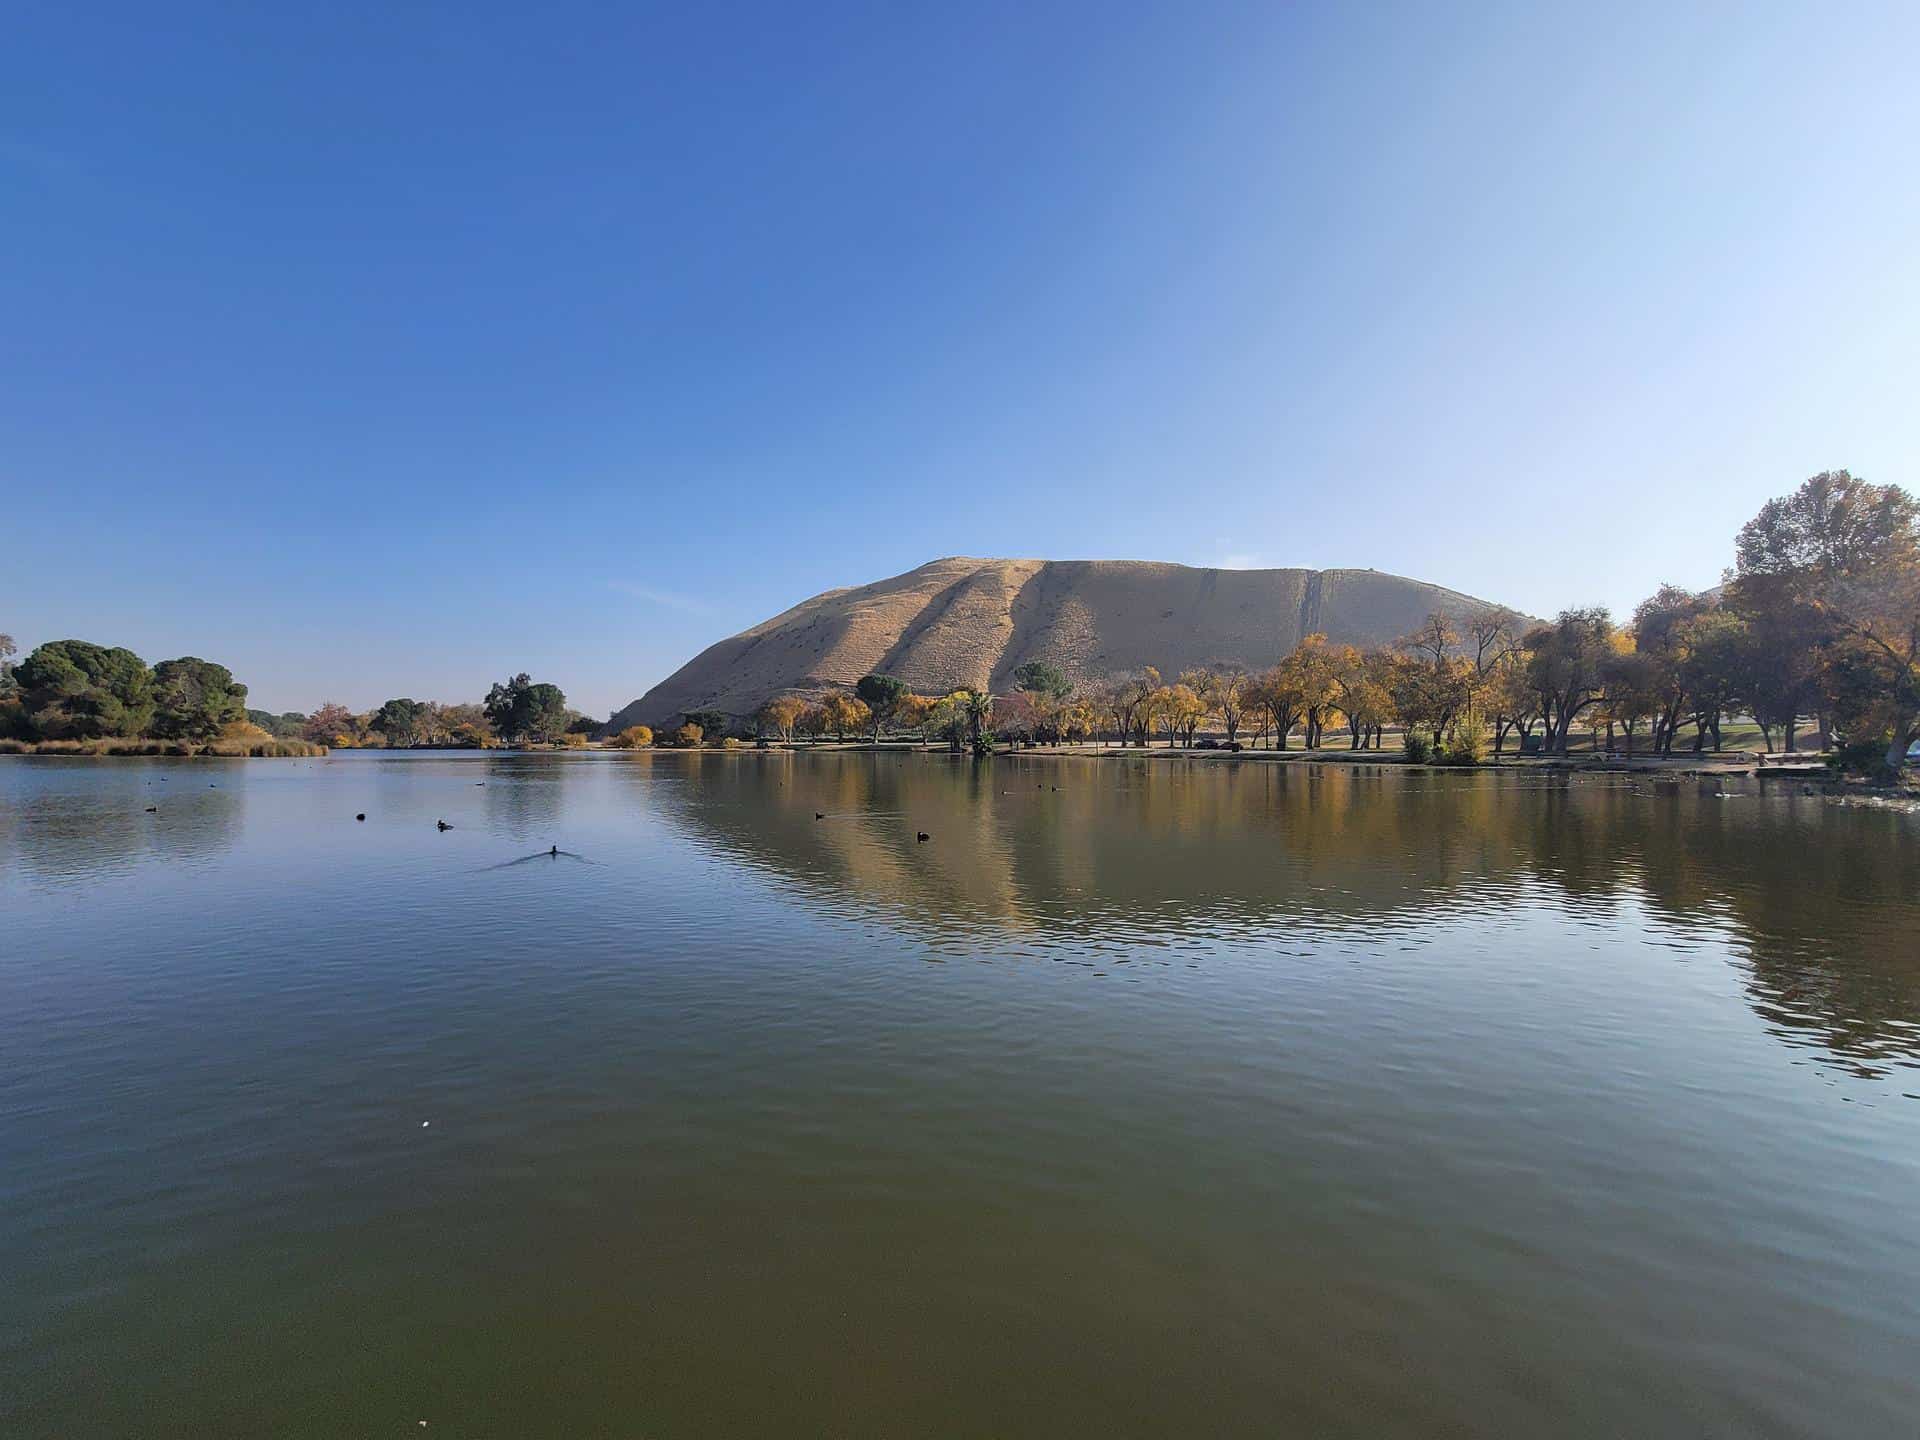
425,1123
1903,803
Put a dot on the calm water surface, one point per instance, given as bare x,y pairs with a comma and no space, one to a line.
1178,1100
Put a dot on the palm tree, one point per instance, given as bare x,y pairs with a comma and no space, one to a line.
978,708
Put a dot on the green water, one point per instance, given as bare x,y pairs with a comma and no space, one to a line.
1178,1099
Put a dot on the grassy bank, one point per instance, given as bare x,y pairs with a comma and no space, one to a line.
231,749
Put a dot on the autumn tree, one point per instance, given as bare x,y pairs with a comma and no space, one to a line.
1360,694
1226,691
913,713
843,713
1196,680
331,724
947,718
1110,702
1310,672
1489,640
1277,699
1075,720
634,737
779,716
1178,711
1433,685
1509,699
1125,700
465,724
1566,667
1021,716
1848,552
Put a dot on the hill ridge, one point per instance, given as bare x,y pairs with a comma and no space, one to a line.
964,620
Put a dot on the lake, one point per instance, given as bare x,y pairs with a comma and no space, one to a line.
1144,1097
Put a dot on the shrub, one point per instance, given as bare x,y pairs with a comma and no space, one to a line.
733,743
1861,757
270,748
687,737
1418,751
634,737
14,724
1462,747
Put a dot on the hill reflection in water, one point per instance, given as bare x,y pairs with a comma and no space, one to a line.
1127,863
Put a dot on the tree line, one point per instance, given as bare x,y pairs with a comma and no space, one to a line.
1817,622
77,691
516,711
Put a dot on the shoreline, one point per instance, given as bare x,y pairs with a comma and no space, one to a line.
1799,766
1805,767
1807,770
161,750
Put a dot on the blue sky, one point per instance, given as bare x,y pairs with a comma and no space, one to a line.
384,350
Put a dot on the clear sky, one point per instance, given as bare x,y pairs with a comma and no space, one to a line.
389,349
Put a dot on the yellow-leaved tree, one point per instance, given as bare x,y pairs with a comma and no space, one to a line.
843,713
779,716
912,713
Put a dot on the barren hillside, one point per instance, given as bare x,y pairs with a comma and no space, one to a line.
964,622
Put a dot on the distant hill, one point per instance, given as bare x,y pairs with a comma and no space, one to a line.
964,622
